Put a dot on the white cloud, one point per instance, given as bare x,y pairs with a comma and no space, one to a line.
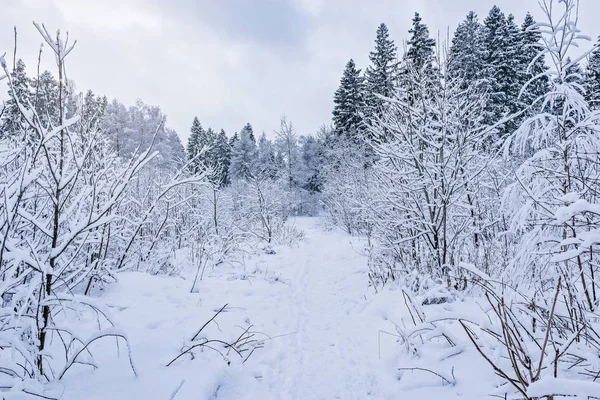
191,57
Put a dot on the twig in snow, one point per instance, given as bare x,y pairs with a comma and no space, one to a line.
444,379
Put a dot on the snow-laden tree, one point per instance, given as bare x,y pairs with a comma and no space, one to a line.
551,200
532,65
592,77
267,163
311,156
93,110
11,121
220,154
349,104
287,146
419,62
59,199
346,192
465,60
501,41
381,75
429,204
421,47
197,145
310,177
72,212
244,155
45,89
132,129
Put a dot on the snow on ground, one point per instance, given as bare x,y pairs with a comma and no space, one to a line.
327,333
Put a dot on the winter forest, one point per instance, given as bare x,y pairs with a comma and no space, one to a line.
437,238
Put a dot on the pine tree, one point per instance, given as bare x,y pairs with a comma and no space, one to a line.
421,47
210,138
501,40
195,145
243,155
512,71
467,53
222,151
45,90
381,75
250,131
312,169
592,78
349,103
573,73
419,61
234,139
531,64
12,121
92,111
266,157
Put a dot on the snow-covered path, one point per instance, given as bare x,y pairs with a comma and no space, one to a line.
333,351
313,301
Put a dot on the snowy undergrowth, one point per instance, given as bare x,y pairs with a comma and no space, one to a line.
326,334
321,332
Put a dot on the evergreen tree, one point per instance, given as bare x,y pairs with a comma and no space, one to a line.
573,73
510,78
12,121
349,103
467,53
421,47
92,112
266,157
501,40
210,158
250,131
210,139
531,64
45,91
222,151
419,61
195,145
592,77
234,139
311,157
381,75
244,155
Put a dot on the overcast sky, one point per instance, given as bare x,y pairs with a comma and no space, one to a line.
232,61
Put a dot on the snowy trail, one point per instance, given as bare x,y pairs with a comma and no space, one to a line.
312,299
332,354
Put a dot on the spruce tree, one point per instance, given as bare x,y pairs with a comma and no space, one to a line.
531,64
45,90
349,103
93,110
311,157
381,75
512,71
12,121
592,78
195,145
419,60
266,157
573,73
501,40
244,156
210,139
467,53
222,151
234,139
248,128
421,47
